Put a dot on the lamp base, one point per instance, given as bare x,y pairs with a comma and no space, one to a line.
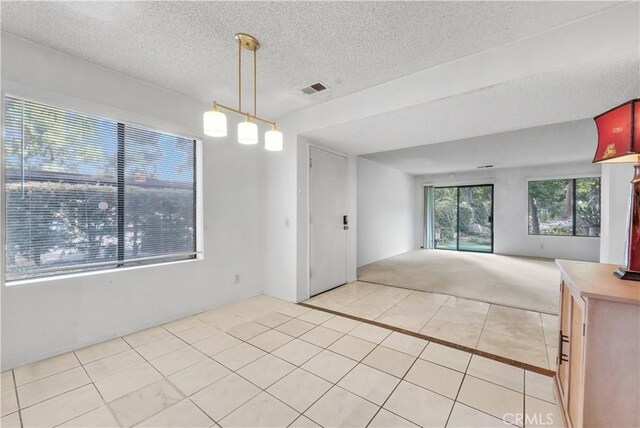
630,275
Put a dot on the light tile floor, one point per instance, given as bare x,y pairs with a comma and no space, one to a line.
525,336
268,363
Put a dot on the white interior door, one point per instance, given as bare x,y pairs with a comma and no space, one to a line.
327,231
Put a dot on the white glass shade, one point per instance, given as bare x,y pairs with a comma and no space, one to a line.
247,133
273,140
215,123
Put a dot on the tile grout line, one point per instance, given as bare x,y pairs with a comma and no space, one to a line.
455,400
106,403
56,373
365,364
350,303
198,407
434,314
405,298
394,390
58,395
445,294
97,390
164,378
212,359
61,393
13,376
544,340
275,356
443,305
266,353
335,384
484,323
64,392
504,360
466,373
416,358
91,382
524,395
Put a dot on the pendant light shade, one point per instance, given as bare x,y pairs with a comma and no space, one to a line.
273,140
247,133
215,123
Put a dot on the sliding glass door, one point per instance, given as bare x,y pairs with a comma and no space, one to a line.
463,218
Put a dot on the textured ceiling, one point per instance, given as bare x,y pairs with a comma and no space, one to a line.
188,47
567,142
552,97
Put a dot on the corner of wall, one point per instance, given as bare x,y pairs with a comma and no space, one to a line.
614,209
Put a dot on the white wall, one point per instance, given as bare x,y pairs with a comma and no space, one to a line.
286,273
49,317
281,220
615,203
386,203
511,210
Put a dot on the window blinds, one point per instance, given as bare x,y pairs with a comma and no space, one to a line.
85,193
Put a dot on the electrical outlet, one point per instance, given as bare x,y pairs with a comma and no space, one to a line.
237,279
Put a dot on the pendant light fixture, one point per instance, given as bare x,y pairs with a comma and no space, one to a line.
273,140
215,122
247,132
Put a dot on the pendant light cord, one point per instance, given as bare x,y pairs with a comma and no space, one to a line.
255,79
255,83
240,75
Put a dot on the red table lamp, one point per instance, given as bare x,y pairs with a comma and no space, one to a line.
619,141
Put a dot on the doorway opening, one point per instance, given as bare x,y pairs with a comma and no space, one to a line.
462,218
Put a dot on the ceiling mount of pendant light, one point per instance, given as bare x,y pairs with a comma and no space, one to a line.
215,122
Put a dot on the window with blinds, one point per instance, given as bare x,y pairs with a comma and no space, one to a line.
85,193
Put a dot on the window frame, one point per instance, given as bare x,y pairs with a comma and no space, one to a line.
90,109
573,178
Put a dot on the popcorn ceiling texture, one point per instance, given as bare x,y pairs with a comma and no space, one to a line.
548,98
188,47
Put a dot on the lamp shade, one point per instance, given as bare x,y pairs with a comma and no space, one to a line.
273,140
247,133
619,134
215,123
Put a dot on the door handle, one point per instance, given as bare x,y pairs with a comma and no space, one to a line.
564,358
345,222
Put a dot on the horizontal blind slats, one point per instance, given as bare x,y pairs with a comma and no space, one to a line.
62,192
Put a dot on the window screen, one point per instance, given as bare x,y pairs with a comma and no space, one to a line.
84,193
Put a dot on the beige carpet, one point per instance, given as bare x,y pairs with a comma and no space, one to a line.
520,282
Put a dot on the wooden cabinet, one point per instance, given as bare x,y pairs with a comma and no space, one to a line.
598,364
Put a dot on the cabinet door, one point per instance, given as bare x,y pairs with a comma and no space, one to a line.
562,364
575,361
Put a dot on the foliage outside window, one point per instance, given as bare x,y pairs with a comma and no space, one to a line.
565,207
463,217
85,193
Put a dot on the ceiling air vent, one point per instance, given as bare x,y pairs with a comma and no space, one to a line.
314,88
